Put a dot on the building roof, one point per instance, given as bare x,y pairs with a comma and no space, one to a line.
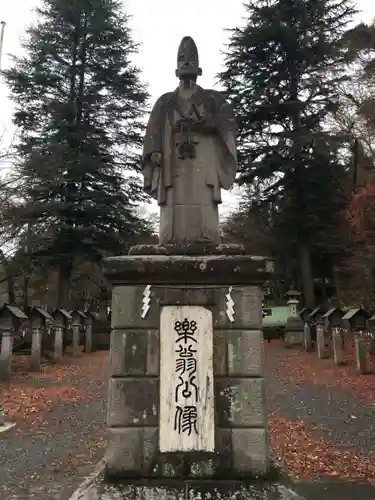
352,312
64,312
303,310
43,312
79,312
314,311
16,311
331,311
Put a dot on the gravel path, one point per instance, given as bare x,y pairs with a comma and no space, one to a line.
51,461
49,453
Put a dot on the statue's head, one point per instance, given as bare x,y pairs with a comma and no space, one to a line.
188,60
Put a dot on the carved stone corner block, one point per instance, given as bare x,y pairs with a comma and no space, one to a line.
132,402
128,352
220,353
128,307
250,452
247,308
131,452
245,353
153,353
240,402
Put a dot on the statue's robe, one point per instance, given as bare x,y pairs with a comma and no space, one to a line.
188,190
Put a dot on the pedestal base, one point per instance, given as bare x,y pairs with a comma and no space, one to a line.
230,287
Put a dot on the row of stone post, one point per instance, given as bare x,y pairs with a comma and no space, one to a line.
49,328
325,329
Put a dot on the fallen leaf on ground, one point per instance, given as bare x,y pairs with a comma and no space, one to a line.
28,395
306,368
303,456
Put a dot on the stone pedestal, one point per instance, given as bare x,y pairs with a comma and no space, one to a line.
88,335
307,342
76,338
294,326
36,349
361,354
338,345
58,348
322,342
229,286
6,355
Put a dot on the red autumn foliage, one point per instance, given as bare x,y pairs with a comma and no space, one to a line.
306,368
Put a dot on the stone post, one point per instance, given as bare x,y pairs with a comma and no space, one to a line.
37,324
59,328
36,349
147,291
294,329
338,345
307,343
76,325
6,354
321,347
6,332
88,333
361,354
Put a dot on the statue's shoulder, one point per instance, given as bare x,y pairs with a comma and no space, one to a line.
216,95
164,100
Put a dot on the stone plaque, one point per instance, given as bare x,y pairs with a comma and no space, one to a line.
186,380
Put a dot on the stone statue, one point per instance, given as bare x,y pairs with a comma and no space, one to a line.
189,154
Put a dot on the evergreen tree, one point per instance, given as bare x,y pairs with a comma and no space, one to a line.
282,75
79,107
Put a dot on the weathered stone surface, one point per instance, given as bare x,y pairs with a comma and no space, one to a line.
223,447
6,355
185,270
170,465
293,337
131,452
96,488
153,353
220,340
194,248
127,308
132,402
247,308
187,296
245,353
240,402
128,352
36,350
250,452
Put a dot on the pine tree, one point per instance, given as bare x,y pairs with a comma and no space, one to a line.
282,75
79,107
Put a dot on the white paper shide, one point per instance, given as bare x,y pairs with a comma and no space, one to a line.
186,380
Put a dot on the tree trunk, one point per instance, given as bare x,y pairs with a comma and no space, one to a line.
11,294
306,274
63,288
26,292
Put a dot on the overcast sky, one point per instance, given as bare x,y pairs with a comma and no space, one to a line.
159,26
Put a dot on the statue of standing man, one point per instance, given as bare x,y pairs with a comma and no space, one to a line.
189,154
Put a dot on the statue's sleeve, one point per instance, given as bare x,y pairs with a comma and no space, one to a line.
227,131
153,142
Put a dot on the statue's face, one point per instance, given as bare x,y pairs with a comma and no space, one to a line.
187,60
